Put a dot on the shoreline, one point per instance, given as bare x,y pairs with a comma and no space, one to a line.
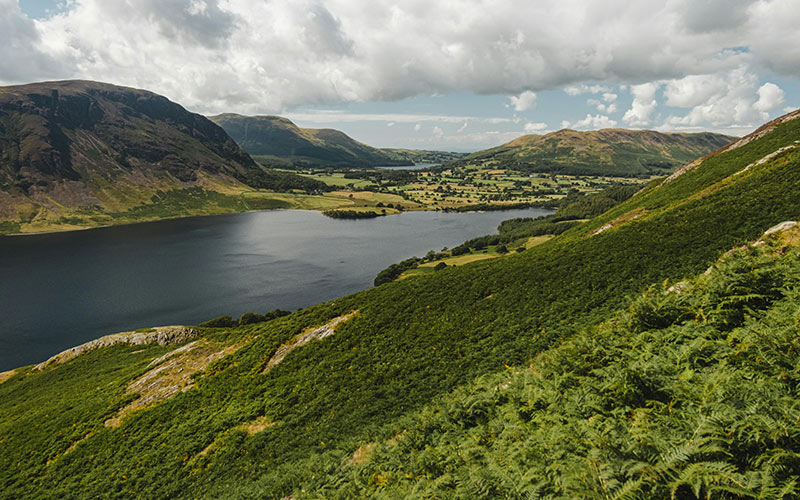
58,230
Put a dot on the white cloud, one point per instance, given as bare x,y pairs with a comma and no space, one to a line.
417,127
601,106
533,128
269,57
722,100
327,116
524,102
463,127
770,97
591,122
693,90
438,132
244,56
644,103
574,90
21,55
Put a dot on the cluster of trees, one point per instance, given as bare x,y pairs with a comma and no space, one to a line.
248,318
276,180
352,214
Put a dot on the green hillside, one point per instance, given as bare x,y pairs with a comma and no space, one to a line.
80,153
545,373
276,141
616,152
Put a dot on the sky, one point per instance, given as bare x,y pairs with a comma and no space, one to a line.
457,75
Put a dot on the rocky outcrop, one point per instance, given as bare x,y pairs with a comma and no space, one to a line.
171,374
307,336
783,226
162,335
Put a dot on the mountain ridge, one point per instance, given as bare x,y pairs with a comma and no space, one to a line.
277,140
78,150
616,152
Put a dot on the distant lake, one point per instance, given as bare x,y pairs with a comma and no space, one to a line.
417,166
62,289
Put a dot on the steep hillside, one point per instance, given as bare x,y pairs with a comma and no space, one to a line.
299,404
76,152
616,152
276,140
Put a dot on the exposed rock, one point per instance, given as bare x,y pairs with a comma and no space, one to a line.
768,157
599,230
7,375
171,375
162,335
759,133
783,226
305,337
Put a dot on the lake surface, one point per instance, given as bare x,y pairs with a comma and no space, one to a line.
60,290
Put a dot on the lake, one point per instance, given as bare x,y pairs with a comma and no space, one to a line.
62,289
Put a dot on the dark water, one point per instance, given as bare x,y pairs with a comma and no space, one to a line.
60,290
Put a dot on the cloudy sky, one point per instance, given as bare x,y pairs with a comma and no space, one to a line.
435,74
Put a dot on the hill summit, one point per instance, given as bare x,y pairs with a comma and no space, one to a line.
277,140
73,152
616,152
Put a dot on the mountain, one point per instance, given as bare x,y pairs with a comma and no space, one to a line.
423,156
76,152
649,352
616,152
277,141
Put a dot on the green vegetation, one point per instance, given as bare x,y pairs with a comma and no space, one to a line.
691,392
469,188
542,373
352,214
614,152
417,156
516,233
277,142
142,158
248,318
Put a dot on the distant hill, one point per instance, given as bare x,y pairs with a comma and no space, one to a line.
423,156
617,152
275,140
88,149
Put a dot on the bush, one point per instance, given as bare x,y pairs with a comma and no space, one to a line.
220,322
249,318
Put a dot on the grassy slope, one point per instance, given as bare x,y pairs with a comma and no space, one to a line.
277,141
413,341
690,392
602,152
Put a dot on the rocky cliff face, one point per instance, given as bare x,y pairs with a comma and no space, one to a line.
72,130
94,146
